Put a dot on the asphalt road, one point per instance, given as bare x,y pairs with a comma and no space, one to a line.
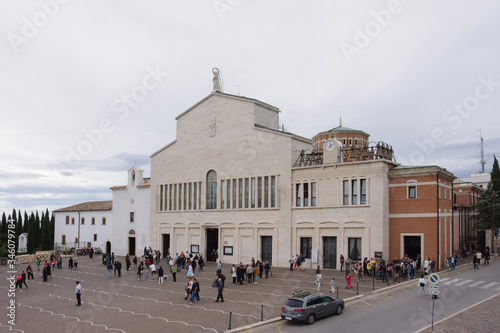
401,309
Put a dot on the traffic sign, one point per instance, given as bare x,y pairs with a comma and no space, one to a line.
433,278
433,289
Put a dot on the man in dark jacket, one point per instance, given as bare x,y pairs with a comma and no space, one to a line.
220,288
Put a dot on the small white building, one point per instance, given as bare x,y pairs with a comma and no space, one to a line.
22,246
131,214
91,220
120,226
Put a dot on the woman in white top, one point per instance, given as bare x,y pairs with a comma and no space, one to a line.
319,277
422,284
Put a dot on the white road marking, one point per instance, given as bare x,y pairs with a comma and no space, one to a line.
463,282
71,317
489,285
476,284
452,281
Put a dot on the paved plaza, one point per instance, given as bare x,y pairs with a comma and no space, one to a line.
126,304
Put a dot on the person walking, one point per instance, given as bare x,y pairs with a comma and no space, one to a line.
109,267
318,280
233,273
23,279
78,292
29,270
70,263
267,268
75,262
220,288
342,262
422,284
160,275
195,291
173,269
140,269
38,262
332,284
118,265
348,279
475,261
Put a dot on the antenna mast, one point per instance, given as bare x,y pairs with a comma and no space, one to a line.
483,162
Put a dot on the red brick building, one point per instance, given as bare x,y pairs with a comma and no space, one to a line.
421,212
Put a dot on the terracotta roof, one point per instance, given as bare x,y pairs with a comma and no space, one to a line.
123,187
88,206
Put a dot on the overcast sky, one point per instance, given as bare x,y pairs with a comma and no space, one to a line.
90,88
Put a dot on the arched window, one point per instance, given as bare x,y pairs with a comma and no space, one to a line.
211,189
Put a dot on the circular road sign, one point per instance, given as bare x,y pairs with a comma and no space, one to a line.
433,278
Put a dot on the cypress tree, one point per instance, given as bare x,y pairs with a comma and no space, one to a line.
31,235
20,221
46,231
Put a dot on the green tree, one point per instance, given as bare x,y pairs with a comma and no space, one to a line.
20,221
38,225
489,202
3,236
19,228
31,234
46,233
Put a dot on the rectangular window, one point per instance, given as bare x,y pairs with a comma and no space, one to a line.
346,192
354,198
223,193
228,194
412,192
76,242
259,192
306,247
247,191
132,217
273,191
185,197
313,194
175,196
95,237
266,191
240,193
103,221
92,221
180,197
67,219
235,192
298,194
63,239
82,221
306,194
170,197
354,248
362,199
161,197
72,220
195,194
253,192
199,195
190,195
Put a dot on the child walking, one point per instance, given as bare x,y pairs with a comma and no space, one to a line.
319,277
332,284
348,280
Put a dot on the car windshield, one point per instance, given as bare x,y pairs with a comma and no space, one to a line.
294,303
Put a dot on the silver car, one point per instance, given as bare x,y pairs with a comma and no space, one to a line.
307,307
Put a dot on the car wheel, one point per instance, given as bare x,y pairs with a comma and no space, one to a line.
339,310
310,319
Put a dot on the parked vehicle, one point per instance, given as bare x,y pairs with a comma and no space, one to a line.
307,307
